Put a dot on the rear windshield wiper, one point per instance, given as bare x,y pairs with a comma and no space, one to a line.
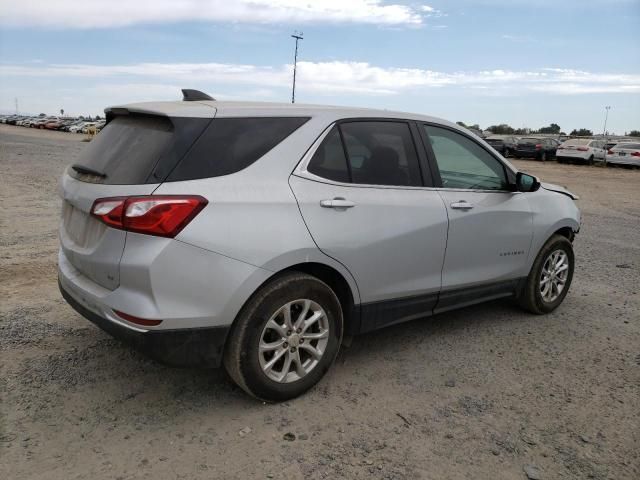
89,171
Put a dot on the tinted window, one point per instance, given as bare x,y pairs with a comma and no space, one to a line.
381,153
329,161
128,148
463,163
231,144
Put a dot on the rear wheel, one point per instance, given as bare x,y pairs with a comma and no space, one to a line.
285,338
590,161
506,153
550,277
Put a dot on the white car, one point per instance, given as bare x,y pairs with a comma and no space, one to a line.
77,128
581,150
625,153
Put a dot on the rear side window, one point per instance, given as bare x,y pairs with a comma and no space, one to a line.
329,160
377,153
231,144
381,153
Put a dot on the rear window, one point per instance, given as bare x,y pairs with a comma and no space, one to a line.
578,141
530,140
138,149
628,146
232,144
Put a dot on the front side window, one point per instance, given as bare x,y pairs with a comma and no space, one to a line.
463,163
368,153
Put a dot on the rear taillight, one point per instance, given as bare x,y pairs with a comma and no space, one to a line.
610,152
583,149
635,154
159,215
538,146
560,148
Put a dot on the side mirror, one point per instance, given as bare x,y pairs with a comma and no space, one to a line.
526,183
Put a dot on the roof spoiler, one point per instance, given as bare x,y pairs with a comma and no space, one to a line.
190,95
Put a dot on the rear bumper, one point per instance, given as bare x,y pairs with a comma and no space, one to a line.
191,347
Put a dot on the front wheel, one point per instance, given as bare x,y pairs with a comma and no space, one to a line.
506,153
550,277
285,338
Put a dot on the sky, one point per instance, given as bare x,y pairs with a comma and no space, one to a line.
525,63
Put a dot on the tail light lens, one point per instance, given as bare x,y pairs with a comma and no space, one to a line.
583,149
560,148
635,154
538,146
159,215
610,152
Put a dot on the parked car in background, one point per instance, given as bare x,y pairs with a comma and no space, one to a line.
158,242
77,128
540,148
582,150
624,153
506,145
53,125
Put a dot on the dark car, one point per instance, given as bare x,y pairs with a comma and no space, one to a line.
503,144
539,148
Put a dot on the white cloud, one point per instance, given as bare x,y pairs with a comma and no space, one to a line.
331,78
121,13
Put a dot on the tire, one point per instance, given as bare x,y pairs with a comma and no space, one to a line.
247,365
506,153
560,160
531,297
543,157
590,161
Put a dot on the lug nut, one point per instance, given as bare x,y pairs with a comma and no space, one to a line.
302,340
288,332
285,344
299,330
293,349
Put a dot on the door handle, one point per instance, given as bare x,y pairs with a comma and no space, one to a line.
462,205
337,202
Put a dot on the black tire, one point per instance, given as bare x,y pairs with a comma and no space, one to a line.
590,161
241,358
506,153
560,160
530,297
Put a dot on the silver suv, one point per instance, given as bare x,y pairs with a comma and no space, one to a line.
258,235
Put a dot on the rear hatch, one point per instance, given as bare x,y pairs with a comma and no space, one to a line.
528,144
132,155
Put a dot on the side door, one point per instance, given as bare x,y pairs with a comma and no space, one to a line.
361,191
490,226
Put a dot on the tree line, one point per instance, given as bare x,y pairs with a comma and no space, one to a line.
554,128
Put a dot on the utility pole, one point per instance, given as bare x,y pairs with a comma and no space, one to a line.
606,117
297,36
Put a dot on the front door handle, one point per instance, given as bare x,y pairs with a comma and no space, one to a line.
462,205
337,202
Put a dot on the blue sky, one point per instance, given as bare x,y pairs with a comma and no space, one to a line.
526,63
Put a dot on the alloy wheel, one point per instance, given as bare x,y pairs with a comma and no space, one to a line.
293,341
554,275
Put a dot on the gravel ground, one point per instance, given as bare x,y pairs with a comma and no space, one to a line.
484,392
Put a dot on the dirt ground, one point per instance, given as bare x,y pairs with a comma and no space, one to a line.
487,392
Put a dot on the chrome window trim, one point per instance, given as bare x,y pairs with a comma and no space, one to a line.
302,172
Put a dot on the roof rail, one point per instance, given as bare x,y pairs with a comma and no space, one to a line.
190,95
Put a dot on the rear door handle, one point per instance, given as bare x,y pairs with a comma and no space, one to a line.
462,205
337,202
